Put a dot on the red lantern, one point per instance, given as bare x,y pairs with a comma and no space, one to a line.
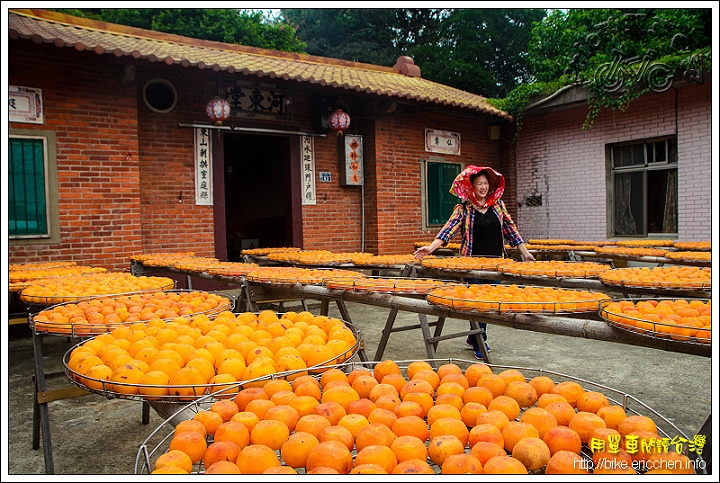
339,120
218,110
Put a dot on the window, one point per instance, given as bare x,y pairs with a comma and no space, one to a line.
438,203
32,176
644,188
159,95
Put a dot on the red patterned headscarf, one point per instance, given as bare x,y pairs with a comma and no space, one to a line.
462,186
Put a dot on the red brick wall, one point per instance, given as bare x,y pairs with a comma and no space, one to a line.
333,223
94,118
126,173
393,150
400,147
172,222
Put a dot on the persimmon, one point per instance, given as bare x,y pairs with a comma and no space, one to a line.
256,458
176,458
332,454
377,454
515,431
443,446
461,464
504,465
295,449
270,432
484,450
408,447
191,443
562,438
566,463
531,452
338,433
374,433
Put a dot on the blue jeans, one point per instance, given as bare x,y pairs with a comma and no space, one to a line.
482,325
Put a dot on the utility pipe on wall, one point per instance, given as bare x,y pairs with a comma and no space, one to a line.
362,217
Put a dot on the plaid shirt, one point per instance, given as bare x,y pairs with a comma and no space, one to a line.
463,218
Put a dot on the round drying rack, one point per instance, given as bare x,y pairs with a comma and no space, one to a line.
163,403
393,285
158,441
85,329
483,306
658,330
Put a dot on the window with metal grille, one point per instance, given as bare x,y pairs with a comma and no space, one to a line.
439,202
644,187
28,188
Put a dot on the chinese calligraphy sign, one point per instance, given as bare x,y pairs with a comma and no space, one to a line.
308,171
351,168
203,167
442,142
25,105
256,100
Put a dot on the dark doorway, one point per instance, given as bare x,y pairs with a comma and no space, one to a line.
258,201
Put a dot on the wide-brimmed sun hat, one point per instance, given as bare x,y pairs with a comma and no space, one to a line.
462,186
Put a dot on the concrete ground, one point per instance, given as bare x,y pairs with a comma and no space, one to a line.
93,435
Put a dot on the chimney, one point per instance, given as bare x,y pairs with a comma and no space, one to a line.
406,66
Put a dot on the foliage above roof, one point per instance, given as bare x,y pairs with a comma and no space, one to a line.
43,26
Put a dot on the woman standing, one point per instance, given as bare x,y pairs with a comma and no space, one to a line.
484,223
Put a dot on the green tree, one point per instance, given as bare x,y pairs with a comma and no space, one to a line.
477,50
618,54
233,26
578,41
359,35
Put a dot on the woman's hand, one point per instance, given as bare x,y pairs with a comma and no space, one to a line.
427,249
525,254
422,251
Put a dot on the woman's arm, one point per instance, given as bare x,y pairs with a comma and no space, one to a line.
524,253
511,233
428,249
445,234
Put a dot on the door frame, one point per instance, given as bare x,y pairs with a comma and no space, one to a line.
293,220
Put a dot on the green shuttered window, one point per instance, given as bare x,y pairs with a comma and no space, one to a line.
440,201
27,188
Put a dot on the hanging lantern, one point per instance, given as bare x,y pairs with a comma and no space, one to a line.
218,110
339,121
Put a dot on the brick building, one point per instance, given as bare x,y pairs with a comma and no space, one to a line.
569,180
134,165
120,115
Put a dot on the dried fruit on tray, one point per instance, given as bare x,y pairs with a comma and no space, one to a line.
630,251
39,265
666,277
697,245
382,260
466,263
515,298
245,346
311,257
265,251
678,319
30,275
74,287
448,417
689,255
99,315
397,285
293,275
555,269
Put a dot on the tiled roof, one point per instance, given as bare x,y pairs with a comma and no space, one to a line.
44,26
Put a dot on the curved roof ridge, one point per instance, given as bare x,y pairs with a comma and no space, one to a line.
106,27
44,26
